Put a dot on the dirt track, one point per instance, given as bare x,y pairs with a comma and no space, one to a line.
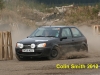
44,67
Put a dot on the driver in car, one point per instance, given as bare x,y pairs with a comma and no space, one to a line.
51,33
46,33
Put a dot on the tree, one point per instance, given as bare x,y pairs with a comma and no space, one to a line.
66,1
1,4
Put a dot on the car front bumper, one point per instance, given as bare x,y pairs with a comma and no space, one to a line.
38,52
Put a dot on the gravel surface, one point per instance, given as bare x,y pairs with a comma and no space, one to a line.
47,67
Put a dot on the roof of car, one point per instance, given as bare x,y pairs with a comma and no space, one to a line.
58,26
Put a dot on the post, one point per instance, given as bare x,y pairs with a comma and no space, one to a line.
10,45
99,30
96,29
5,45
1,56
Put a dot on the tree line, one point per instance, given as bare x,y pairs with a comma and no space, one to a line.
65,1
1,4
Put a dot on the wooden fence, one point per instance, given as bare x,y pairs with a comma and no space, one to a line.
6,52
96,29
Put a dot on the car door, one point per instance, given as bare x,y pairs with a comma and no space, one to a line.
66,44
77,39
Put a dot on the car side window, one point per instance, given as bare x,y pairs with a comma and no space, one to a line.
66,33
76,32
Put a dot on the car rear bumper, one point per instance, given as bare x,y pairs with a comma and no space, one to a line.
39,52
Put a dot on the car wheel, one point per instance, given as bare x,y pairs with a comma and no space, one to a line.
20,58
55,54
83,48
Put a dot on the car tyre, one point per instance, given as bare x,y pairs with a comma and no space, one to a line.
55,54
83,48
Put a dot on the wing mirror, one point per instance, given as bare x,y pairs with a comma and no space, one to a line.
27,36
63,38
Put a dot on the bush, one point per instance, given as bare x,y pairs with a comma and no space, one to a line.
1,4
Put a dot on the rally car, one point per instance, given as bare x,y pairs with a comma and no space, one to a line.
51,42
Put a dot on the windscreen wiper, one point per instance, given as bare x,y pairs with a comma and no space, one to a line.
39,36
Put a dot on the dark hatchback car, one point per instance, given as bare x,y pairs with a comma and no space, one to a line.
51,42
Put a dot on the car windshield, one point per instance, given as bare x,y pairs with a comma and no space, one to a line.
46,32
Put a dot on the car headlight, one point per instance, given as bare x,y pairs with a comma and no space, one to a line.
41,45
32,45
19,45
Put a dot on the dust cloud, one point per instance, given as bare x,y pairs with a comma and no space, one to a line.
93,40
18,33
